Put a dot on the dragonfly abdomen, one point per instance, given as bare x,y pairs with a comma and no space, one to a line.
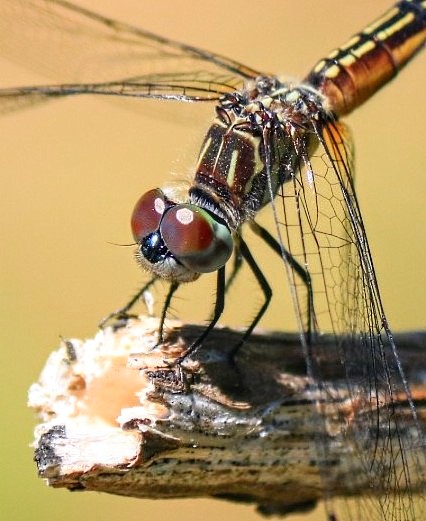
351,74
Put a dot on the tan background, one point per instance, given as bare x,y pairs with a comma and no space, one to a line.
71,172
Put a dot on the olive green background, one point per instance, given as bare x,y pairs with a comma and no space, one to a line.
71,172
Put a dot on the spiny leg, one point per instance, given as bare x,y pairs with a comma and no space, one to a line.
218,310
123,312
124,315
298,268
238,262
266,289
172,289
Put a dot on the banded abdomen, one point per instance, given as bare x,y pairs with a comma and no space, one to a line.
351,74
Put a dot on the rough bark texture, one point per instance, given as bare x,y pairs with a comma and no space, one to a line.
115,418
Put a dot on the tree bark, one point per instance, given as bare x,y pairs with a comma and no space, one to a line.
116,418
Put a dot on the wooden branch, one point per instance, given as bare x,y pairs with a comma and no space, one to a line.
115,418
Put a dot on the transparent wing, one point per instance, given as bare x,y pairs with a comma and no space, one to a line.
88,53
184,87
368,406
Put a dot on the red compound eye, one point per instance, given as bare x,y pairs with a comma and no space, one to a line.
195,238
147,214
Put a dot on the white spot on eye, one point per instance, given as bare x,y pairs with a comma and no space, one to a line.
159,205
185,215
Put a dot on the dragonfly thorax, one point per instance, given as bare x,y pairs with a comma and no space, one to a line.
249,151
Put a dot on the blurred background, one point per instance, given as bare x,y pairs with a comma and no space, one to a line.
71,172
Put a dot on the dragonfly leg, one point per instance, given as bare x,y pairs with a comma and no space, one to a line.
266,289
238,262
122,314
298,268
172,289
218,310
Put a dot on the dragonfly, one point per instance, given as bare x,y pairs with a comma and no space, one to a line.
277,146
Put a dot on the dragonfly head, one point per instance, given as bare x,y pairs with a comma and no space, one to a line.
178,241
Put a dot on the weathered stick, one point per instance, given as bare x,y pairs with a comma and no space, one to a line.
116,419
